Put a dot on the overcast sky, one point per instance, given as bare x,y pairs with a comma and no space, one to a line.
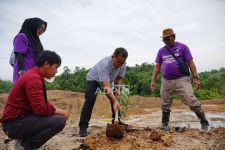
84,31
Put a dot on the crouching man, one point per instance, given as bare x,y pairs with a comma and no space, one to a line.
28,117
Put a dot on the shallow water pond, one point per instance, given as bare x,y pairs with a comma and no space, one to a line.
177,117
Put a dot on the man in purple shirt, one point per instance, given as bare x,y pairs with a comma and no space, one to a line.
175,80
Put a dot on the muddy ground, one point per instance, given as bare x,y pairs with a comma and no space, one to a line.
143,118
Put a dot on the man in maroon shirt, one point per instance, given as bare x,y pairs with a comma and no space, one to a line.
28,116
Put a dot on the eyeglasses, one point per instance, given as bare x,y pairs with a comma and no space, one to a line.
166,39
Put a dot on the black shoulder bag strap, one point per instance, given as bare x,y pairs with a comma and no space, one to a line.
175,57
184,68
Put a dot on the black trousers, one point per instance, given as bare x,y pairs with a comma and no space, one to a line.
90,98
34,131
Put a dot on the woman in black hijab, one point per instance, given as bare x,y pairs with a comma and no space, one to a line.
33,28
27,46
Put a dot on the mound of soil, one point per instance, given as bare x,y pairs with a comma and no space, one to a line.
155,139
140,139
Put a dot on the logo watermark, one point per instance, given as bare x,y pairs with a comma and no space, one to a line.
114,89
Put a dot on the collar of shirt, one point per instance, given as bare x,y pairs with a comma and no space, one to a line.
39,72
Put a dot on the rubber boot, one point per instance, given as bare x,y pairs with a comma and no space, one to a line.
203,121
165,121
201,116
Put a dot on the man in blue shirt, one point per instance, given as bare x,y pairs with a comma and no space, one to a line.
108,70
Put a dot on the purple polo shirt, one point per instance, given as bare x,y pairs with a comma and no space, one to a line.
170,68
21,45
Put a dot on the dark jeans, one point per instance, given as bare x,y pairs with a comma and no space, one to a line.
90,98
33,130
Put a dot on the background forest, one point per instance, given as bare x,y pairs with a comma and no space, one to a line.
138,78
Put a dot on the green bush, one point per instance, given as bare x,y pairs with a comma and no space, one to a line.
138,78
5,86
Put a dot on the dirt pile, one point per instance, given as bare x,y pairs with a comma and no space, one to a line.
158,135
140,139
219,139
158,140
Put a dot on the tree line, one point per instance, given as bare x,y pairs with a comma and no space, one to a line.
138,78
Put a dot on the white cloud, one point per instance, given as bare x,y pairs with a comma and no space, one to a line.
84,31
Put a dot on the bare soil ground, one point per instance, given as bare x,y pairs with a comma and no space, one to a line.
145,135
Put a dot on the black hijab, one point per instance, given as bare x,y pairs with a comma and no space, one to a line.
29,28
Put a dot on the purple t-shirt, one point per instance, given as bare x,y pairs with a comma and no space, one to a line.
170,68
22,45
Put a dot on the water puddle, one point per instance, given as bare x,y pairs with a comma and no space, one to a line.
215,119
177,117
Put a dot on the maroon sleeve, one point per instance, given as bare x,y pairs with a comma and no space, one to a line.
35,95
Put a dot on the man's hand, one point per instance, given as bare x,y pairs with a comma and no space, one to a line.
21,72
117,93
62,112
156,71
152,86
196,83
194,72
116,105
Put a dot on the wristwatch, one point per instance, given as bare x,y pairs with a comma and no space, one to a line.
21,72
196,77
